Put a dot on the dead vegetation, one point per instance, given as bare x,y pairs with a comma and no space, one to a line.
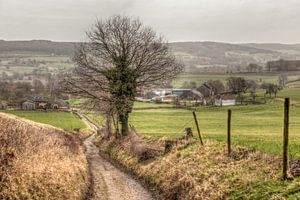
206,172
40,162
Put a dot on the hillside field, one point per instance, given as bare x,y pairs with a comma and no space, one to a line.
40,161
258,77
64,120
255,126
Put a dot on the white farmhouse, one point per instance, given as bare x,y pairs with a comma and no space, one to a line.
225,100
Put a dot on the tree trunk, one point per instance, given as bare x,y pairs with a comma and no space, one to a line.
124,123
108,125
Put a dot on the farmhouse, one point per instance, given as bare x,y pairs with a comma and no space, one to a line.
162,91
225,100
172,95
41,102
28,105
206,90
188,94
3,105
207,93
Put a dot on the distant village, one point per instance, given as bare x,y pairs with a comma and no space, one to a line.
211,93
203,96
37,103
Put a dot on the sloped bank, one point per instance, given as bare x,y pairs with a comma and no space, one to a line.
39,161
198,172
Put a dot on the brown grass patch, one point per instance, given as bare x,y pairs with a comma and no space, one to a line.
40,162
204,172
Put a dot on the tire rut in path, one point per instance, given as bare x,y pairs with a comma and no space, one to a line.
109,183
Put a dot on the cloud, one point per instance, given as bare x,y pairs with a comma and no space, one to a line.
218,20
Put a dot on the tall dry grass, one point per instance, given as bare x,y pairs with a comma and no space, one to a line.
40,162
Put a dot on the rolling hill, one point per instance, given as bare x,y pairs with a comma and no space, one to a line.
195,55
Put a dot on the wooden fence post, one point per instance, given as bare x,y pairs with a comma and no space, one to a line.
229,132
285,138
197,125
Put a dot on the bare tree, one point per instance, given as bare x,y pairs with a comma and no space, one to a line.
216,86
271,89
121,55
282,80
237,84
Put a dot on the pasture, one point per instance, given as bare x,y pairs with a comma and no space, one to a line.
29,63
64,120
255,126
258,77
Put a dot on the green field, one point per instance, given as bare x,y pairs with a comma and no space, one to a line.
255,126
53,64
293,93
151,105
259,78
64,120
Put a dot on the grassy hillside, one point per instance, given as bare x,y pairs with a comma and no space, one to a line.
64,120
195,172
40,162
195,55
258,77
39,47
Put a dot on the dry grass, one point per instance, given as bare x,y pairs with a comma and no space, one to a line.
40,162
198,172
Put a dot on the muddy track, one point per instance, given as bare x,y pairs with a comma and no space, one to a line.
107,181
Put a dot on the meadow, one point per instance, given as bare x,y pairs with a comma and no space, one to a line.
255,126
45,63
64,120
258,77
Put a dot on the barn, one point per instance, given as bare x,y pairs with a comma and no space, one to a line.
28,105
225,100
3,105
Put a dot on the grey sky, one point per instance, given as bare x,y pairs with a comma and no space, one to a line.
177,20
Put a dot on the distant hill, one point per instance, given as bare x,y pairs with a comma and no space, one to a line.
195,55
36,47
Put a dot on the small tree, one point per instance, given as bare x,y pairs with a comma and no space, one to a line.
271,89
282,80
121,56
216,86
237,84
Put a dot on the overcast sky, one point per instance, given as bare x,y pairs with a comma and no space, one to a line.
178,20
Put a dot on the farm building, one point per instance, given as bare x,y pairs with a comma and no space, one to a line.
162,92
3,105
225,100
188,94
206,90
59,104
28,105
208,94
179,95
40,102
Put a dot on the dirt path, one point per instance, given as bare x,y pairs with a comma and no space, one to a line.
108,182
